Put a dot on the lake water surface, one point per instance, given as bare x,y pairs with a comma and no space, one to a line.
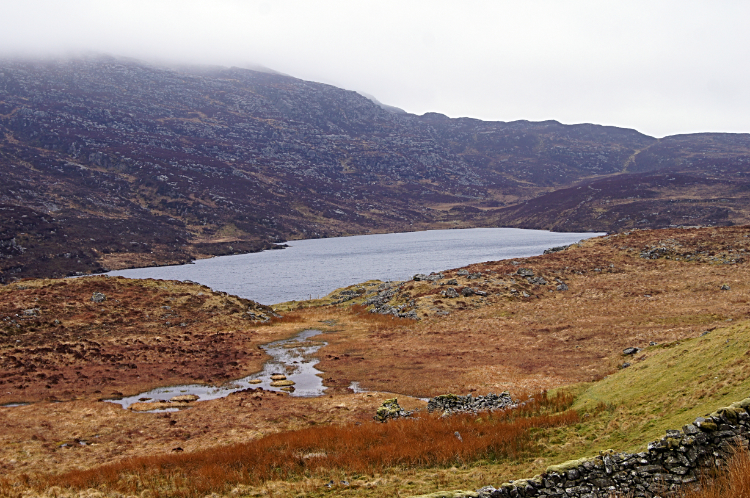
315,267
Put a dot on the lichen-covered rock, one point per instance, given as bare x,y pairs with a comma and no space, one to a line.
390,409
98,297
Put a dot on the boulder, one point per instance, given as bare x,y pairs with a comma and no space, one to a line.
450,292
98,297
390,409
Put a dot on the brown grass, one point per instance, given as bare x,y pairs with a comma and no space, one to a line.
499,342
734,482
424,441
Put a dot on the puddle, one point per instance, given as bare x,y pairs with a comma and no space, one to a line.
290,357
12,405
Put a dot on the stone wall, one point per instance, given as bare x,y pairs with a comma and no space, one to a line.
676,460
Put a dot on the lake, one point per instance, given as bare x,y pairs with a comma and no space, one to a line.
315,267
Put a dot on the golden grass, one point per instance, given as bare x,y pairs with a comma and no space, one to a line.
422,442
734,481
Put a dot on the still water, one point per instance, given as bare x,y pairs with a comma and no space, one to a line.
312,268
290,357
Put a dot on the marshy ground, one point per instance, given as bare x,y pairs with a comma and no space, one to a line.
659,291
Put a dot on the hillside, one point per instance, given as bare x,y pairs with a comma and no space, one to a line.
559,321
111,163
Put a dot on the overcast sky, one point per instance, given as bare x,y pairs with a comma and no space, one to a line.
661,67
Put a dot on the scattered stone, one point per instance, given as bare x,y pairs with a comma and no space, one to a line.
458,436
390,409
450,292
254,381
725,287
278,377
467,291
184,398
98,297
625,365
562,287
525,272
282,383
432,277
630,351
31,312
536,280
462,273
452,281
555,249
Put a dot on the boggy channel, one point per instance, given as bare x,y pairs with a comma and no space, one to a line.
290,357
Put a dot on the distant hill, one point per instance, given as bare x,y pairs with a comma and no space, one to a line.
111,163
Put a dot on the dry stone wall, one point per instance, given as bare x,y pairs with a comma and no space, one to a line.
667,465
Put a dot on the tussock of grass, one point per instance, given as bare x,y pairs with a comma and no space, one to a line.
423,442
735,482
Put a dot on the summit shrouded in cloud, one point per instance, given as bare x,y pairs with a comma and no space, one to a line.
662,68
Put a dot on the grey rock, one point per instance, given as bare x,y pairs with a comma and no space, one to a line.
630,351
98,297
562,287
450,292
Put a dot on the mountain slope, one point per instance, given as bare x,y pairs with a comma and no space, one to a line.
139,165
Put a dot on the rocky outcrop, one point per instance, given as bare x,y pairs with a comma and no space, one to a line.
668,464
390,409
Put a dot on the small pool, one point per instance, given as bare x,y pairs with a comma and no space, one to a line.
291,358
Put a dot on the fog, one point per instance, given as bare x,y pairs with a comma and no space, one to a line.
661,67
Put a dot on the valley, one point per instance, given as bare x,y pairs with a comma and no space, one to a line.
113,163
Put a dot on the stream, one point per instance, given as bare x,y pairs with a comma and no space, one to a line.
289,357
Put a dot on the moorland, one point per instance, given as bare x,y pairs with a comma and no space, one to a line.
552,328
110,163
113,163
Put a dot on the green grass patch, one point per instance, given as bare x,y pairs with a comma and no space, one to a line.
675,383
